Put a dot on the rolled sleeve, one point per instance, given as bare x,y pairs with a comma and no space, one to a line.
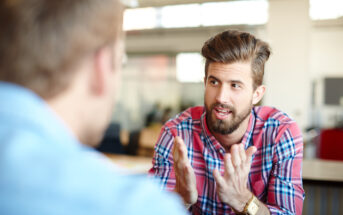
162,168
285,189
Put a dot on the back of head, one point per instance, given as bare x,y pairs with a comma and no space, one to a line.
42,40
233,46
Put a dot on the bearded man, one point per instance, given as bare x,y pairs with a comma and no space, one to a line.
230,156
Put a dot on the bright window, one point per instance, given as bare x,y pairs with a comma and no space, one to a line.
190,67
140,18
180,16
245,12
326,9
234,13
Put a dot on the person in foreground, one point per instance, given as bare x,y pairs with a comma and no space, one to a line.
59,62
230,156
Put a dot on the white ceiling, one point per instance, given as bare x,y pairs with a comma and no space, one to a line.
156,3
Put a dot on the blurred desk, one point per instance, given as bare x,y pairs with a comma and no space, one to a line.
134,164
323,170
313,169
147,139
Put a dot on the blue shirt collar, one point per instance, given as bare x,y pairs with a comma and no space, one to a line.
22,105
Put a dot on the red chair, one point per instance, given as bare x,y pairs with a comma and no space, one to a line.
331,144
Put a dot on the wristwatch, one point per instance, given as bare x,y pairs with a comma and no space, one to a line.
252,206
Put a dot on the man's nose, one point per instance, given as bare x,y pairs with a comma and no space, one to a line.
223,95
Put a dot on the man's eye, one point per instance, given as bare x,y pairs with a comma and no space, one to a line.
213,82
236,86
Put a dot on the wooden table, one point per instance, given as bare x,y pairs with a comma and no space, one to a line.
133,164
322,170
313,169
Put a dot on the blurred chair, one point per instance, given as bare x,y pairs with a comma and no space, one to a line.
331,144
132,146
147,139
124,137
111,141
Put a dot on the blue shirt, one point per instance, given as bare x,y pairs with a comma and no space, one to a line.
44,169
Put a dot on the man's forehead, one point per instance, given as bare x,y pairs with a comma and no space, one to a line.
237,68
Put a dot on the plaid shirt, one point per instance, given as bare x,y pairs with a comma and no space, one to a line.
275,177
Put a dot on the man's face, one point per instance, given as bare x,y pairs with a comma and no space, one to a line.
113,79
228,96
116,65
103,103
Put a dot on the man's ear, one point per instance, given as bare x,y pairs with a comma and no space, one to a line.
258,94
100,67
205,79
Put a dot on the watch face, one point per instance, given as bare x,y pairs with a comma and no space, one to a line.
252,208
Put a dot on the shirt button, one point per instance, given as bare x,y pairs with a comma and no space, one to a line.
222,151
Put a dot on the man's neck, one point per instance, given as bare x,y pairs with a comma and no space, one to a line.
235,137
66,115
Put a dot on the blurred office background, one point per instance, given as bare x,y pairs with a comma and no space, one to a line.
163,74
163,69
163,64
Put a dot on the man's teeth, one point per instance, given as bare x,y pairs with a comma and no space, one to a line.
222,112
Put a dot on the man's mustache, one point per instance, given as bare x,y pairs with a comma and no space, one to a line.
226,106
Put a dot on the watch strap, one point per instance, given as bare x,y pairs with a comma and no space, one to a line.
252,201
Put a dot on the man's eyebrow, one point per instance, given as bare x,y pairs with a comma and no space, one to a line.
213,77
236,81
229,81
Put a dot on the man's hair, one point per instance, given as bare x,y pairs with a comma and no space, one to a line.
42,40
233,46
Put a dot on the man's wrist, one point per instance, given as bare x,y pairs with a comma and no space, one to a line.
242,202
188,201
253,207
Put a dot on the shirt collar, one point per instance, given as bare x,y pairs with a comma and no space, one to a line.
247,137
19,103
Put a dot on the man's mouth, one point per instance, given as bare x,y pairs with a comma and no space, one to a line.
221,113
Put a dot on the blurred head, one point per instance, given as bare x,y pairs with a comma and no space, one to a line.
41,40
233,78
65,50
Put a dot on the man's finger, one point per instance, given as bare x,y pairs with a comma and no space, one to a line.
184,173
229,168
236,157
175,151
242,152
181,147
250,151
218,178
189,175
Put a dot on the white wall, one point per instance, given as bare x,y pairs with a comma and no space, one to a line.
326,60
146,80
303,52
287,74
326,51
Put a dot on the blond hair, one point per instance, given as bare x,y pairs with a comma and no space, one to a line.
41,40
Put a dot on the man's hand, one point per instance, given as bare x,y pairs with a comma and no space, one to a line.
232,187
184,173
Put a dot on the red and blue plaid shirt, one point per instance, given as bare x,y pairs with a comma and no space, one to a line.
275,177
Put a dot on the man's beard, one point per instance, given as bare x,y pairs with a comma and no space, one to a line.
226,126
